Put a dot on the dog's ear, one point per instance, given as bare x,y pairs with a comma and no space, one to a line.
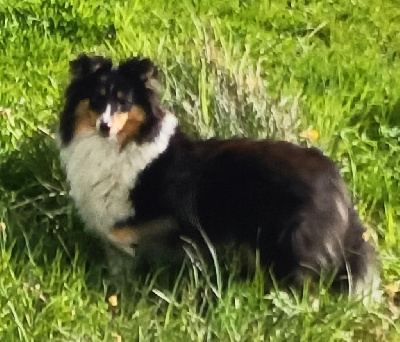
85,65
141,68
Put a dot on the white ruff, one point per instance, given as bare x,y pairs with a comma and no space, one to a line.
101,176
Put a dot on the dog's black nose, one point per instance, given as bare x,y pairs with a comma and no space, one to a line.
103,128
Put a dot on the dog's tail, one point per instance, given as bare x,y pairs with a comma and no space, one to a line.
331,237
361,269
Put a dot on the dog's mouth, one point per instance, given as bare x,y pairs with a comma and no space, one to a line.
104,122
104,128
111,125
122,126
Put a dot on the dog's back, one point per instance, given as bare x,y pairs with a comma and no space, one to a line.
287,201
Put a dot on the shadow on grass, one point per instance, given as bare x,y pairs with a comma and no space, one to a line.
39,217
42,224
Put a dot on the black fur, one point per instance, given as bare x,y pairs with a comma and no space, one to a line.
90,74
274,196
287,201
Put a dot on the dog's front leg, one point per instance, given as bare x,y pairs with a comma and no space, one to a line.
120,247
131,244
119,263
140,238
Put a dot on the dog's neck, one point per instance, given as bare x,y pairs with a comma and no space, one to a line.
101,176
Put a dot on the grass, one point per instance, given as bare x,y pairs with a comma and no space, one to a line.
255,68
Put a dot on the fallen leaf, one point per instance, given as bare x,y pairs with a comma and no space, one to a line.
310,134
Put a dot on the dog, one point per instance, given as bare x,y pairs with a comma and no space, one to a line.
141,184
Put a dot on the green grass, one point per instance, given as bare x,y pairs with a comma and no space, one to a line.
255,68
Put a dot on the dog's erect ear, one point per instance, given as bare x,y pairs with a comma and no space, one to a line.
85,65
141,68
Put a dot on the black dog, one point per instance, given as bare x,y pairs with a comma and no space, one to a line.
140,183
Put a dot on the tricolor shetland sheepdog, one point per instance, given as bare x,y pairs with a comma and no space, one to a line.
140,183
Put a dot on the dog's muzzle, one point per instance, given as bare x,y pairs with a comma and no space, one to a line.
103,123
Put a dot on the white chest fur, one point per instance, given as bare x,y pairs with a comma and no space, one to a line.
101,176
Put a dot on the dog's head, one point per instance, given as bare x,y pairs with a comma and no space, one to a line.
119,101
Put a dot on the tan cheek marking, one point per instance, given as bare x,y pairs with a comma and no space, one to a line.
85,118
118,122
125,235
145,235
131,129
143,232
124,238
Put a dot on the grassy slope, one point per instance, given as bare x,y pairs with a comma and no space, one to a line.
257,68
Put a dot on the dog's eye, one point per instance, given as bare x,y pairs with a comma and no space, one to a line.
121,98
